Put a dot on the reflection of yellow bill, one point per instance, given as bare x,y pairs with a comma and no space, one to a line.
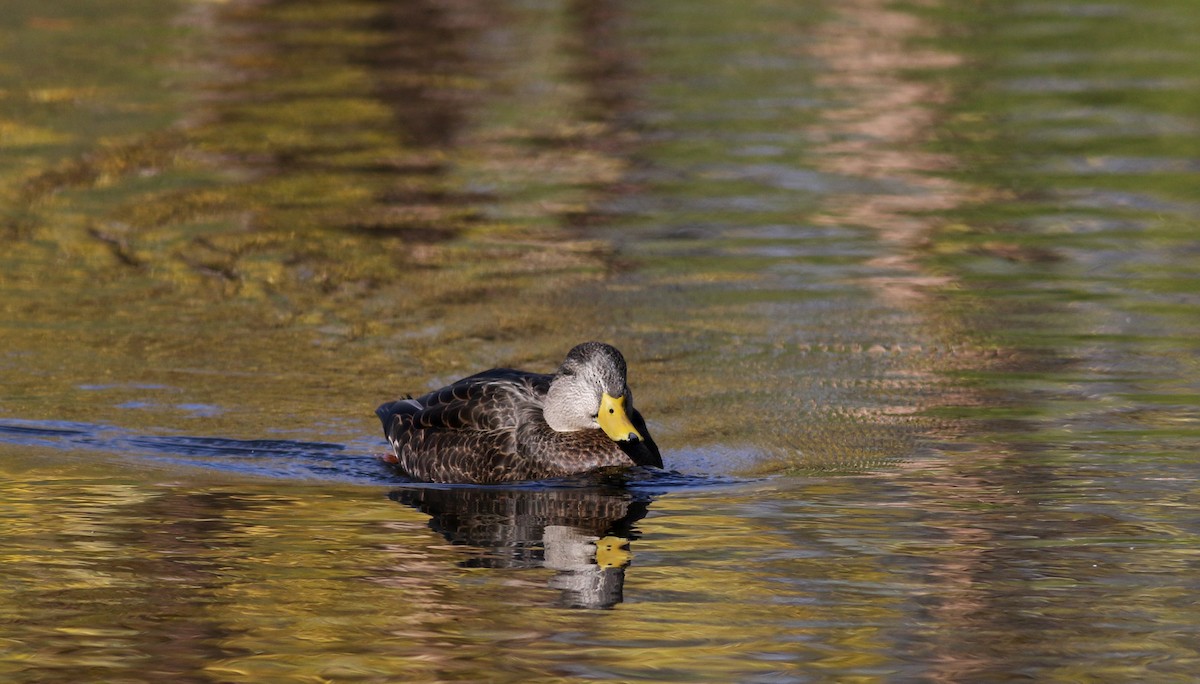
614,421
613,552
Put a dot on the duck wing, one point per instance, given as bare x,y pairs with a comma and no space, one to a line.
486,401
464,432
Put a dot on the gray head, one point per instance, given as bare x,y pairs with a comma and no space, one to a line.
589,392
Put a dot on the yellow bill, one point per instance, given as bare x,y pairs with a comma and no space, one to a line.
614,421
613,552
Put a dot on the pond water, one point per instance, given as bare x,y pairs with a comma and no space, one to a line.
908,293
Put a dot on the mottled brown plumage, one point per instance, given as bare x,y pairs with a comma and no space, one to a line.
495,426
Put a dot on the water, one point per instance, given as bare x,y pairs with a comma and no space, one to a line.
908,294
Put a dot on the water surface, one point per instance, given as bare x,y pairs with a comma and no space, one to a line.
908,293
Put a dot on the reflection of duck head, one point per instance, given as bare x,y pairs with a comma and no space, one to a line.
581,533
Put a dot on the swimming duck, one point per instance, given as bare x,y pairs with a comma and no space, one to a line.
506,425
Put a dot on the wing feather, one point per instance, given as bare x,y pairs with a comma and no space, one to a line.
485,401
464,432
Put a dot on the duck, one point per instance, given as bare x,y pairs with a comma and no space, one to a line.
505,425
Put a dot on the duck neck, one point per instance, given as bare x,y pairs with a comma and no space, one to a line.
565,410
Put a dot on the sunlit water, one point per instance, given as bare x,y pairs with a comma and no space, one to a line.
908,293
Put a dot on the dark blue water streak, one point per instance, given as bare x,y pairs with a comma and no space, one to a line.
304,460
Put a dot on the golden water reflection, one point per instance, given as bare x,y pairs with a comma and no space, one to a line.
206,578
934,246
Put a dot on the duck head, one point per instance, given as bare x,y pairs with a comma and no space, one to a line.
589,391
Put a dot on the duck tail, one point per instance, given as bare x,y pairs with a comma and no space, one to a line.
387,412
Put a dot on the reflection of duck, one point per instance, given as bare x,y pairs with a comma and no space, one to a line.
505,425
582,534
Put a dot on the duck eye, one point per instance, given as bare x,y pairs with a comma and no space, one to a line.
611,411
